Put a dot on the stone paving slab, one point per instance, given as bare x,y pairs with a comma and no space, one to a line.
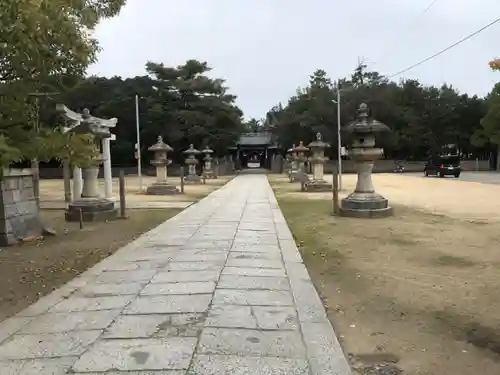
218,289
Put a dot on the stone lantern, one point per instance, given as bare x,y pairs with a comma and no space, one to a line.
317,160
292,172
364,201
160,161
207,166
89,205
300,152
191,162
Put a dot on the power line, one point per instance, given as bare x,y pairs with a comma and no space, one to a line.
447,48
410,27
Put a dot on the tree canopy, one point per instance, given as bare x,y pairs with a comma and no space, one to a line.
43,43
422,118
181,103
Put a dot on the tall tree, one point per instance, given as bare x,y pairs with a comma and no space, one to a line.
42,40
200,109
489,132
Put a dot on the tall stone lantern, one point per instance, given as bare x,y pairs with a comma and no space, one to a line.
292,172
160,161
301,158
208,171
317,160
364,201
192,162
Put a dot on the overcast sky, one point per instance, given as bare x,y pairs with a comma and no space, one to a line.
265,49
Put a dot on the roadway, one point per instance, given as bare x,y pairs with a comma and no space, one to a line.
481,177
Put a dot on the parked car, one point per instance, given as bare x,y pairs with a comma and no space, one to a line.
443,165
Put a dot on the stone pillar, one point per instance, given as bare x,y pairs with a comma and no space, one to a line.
108,178
160,161
77,182
317,161
90,185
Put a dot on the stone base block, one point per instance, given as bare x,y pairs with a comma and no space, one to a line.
193,179
92,209
209,175
316,186
365,204
384,212
162,189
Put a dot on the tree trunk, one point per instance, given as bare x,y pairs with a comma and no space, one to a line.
67,182
498,159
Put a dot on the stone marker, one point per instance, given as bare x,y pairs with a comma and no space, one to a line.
191,161
18,208
90,206
207,166
160,161
317,160
364,201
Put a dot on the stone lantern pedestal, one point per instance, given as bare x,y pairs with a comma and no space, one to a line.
160,161
300,152
208,171
364,201
317,159
192,162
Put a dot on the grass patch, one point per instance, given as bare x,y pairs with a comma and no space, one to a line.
406,285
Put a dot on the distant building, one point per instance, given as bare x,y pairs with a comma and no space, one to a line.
255,150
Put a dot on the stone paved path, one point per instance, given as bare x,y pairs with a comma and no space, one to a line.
219,289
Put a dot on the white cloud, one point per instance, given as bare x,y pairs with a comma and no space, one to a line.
266,48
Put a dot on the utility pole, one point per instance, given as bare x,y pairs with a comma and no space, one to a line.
138,144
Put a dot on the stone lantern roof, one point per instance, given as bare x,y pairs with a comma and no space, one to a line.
191,151
318,143
207,150
160,146
301,148
364,124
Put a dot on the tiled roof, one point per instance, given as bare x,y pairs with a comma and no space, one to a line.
250,139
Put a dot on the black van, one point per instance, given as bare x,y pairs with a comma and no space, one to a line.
443,165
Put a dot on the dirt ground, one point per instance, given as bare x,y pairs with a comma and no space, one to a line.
32,270
448,196
53,190
416,293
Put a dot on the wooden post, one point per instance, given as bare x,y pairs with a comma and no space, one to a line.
80,217
122,195
335,184
182,179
